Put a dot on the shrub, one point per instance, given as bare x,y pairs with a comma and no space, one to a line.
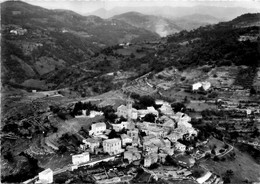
216,159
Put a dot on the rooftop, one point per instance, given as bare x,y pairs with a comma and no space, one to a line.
46,171
114,140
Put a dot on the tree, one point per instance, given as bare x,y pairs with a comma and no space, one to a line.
132,55
197,173
9,156
252,91
226,179
149,117
154,166
213,151
230,172
62,149
113,134
207,155
109,113
178,107
169,160
147,101
216,159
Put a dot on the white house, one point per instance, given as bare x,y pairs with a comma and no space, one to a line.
95,113
205,85
46,176
126,139
196,86
97,128
80,158
112,146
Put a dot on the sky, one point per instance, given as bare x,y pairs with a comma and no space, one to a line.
87,6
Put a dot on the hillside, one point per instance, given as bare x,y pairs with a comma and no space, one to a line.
37,41
213,45
61,49
159,25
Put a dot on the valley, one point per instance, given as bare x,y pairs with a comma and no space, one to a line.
131,98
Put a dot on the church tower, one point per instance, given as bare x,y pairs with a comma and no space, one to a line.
129,106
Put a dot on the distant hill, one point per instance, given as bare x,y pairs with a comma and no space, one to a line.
223,13
37,40
194,21
159,25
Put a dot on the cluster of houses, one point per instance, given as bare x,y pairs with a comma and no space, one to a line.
151,141
18,31
251,38
138,141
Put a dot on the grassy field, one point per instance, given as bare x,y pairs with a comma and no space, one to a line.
244,168
54,161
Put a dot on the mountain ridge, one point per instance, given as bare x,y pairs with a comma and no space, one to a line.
225,13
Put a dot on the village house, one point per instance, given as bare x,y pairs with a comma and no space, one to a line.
165,150
151,148
180,147
134,134
80,158
112,146
132,154
119,127
127,112
97,128
169,123
46,176
126,139
18,31
149,110
94,114
185,160
205,85
150,159
153,129
91,143
166,109
161,157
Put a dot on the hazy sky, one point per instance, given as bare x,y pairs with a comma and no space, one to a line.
85,6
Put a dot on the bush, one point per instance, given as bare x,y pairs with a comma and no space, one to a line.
197,173
216,159
221,151
154,166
